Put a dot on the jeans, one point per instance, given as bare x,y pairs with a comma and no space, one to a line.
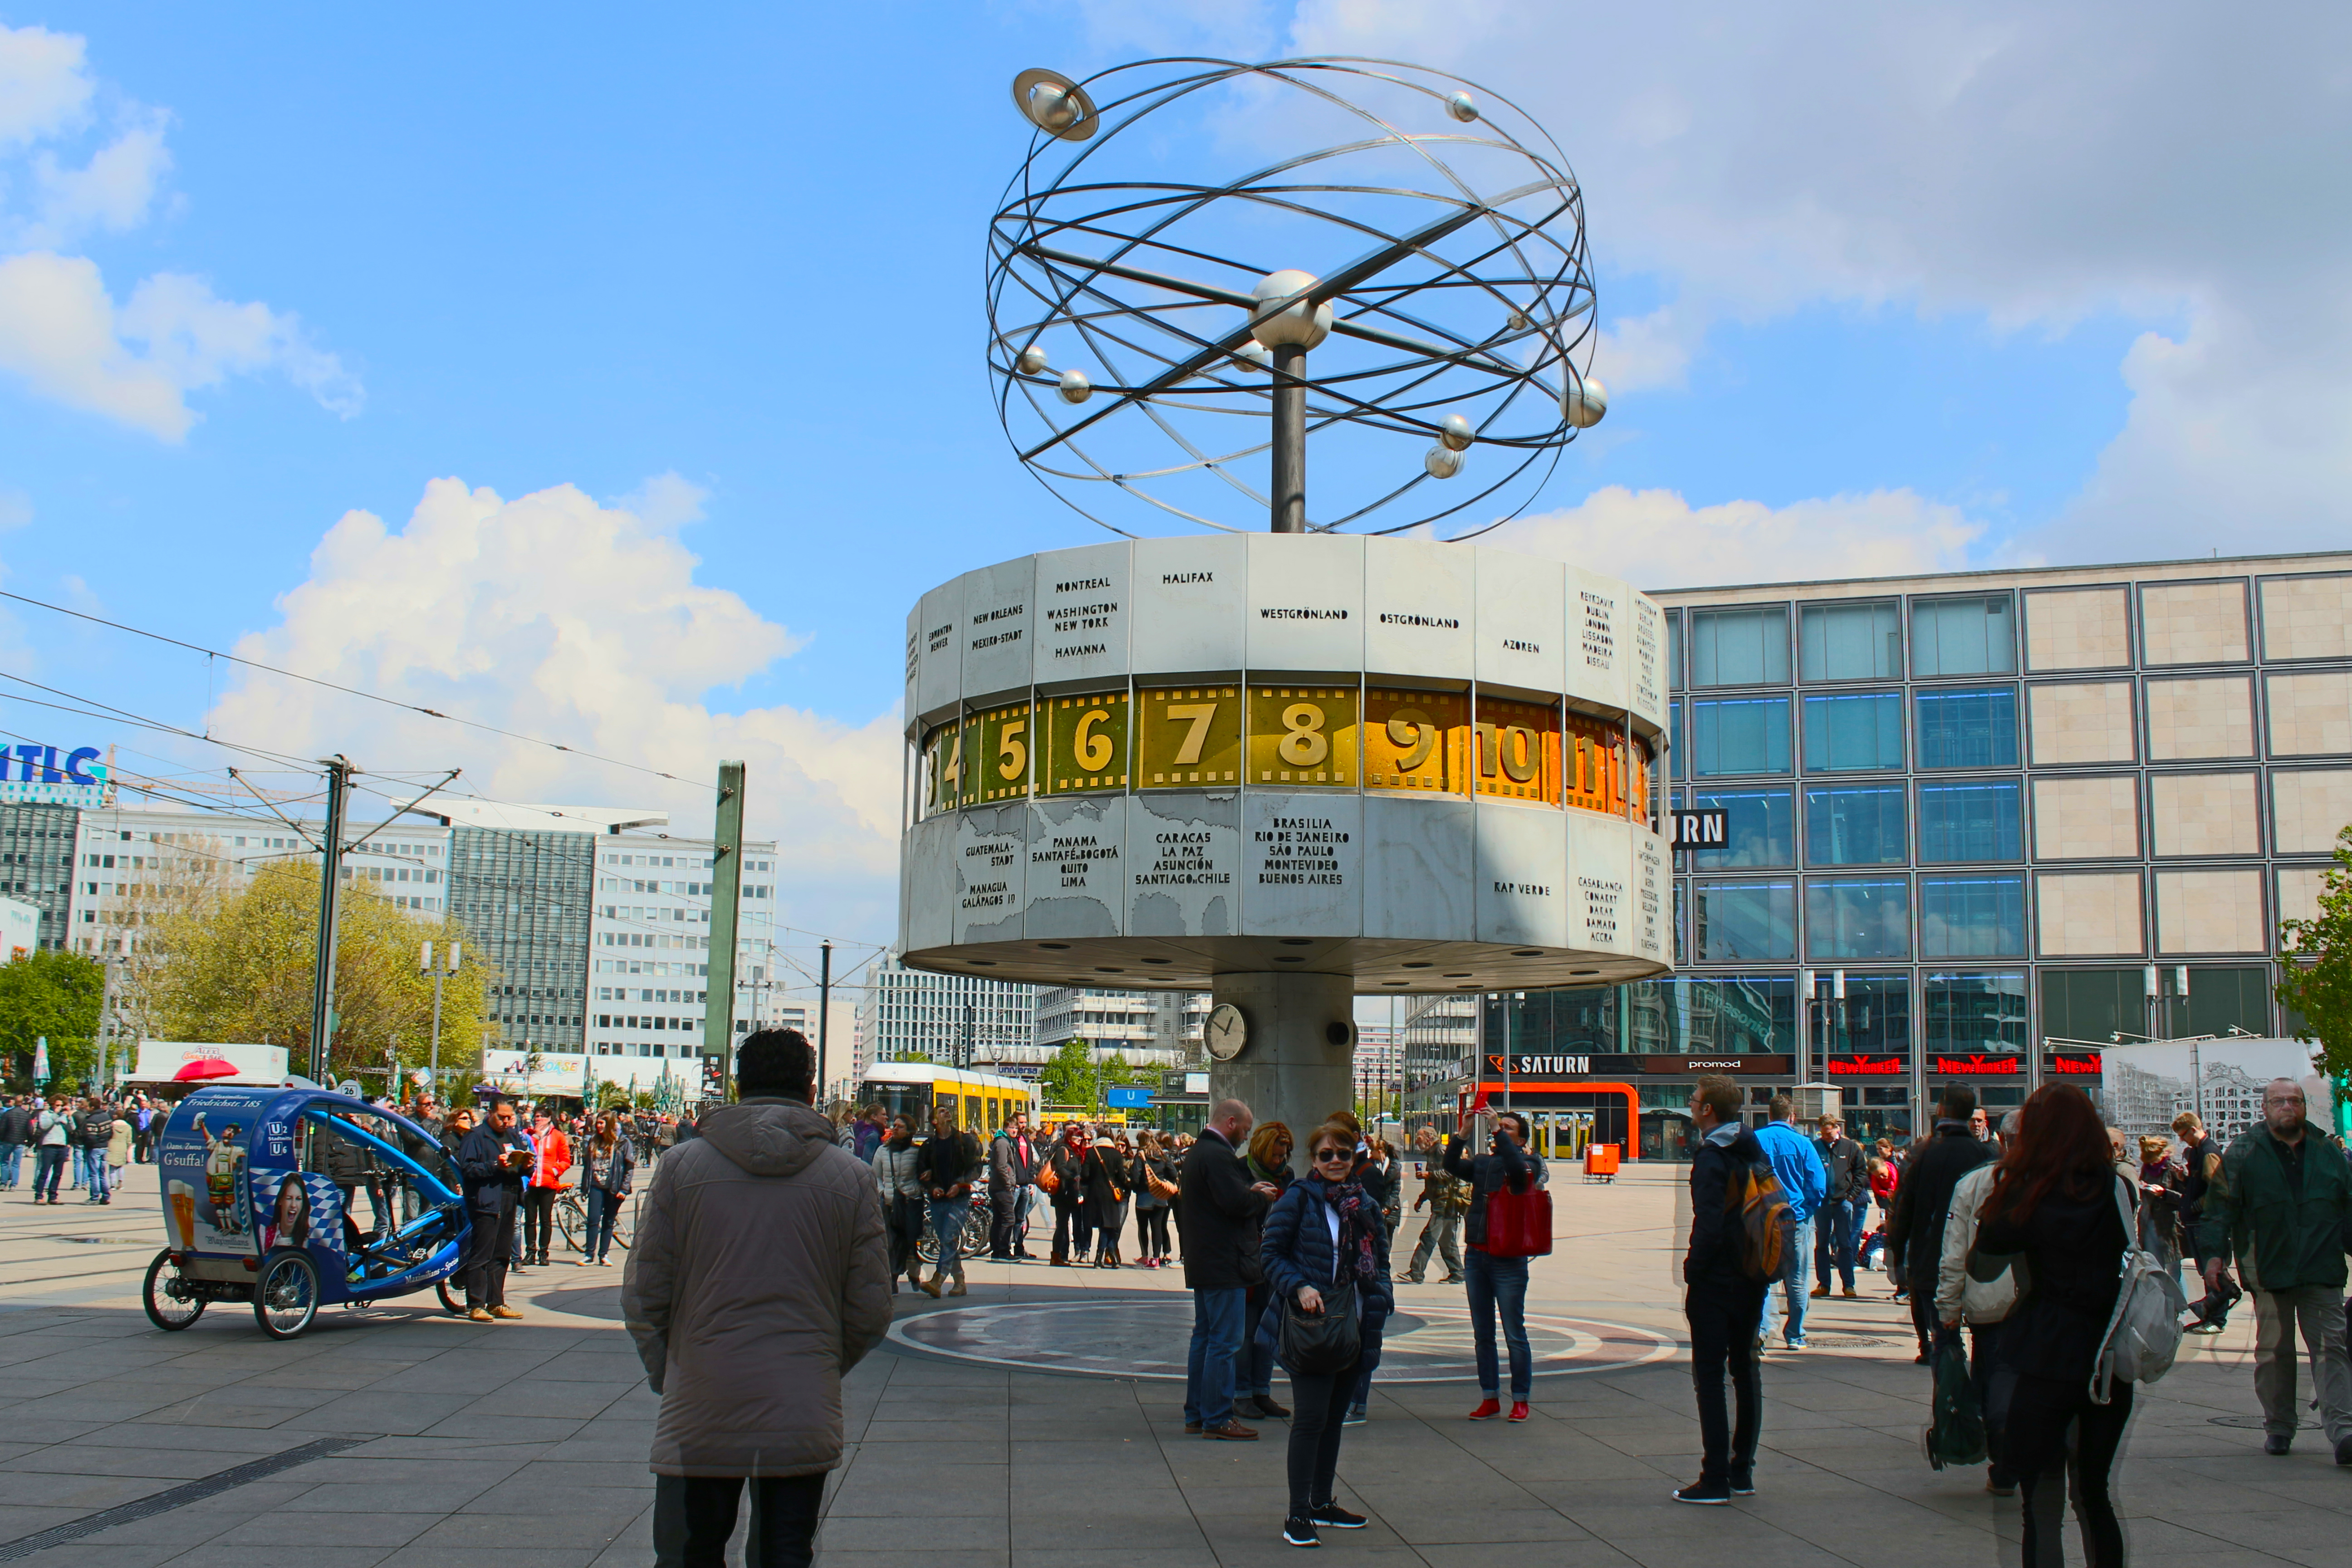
1837,1233
1796,1278
1151,1232
537,1221
1723,1342
1443,1236
2319,1311
1373,1324
48,1166
1209,1360
11,1165
1500,1284
1070,1232
1320,1403
902,1218
2042,1413
948,1217
603,1209
91,1172
1254,1357
1021,1201
694,1516
1001,1210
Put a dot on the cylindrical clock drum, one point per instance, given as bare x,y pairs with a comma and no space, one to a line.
1288,769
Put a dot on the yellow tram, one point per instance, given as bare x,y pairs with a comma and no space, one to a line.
983,1102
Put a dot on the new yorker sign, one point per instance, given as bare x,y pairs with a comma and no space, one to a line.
33,774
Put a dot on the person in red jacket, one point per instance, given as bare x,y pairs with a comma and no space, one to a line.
551,1159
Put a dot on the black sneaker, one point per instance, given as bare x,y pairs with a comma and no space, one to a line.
1333,1516
2276,1444
1716,1494
1743,1483
1300,1531
2344,1452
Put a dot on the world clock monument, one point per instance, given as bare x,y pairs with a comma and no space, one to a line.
1318,744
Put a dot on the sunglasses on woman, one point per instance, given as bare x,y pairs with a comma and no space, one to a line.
1335,1156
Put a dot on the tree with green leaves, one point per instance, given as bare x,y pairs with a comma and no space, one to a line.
1070,1077
57,996
2317,978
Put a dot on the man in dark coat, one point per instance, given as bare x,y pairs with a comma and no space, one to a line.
1722,1298
1218,1213
1011,1166
492,1161
1837,1230
1915,1231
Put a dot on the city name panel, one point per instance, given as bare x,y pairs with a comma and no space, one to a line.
1147,763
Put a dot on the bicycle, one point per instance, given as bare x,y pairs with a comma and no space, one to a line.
571,1219
975,1241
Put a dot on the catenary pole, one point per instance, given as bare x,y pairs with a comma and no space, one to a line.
331,877
726,899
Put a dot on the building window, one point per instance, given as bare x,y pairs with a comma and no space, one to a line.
1761,829
1961,637
1740,647
1972,917
1851,918
1974,1013
1972,821
1849,642
1855,826
1875,1016
1740,735
2098,1005
1857,732
1733,922
1730,1015
1673,651
1972,729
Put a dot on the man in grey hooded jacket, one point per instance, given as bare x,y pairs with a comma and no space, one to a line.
758,1277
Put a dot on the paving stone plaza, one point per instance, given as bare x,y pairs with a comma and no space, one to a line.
398,1436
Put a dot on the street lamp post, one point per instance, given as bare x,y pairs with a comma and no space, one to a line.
424,963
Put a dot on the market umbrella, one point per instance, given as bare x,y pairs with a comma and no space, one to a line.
203,1068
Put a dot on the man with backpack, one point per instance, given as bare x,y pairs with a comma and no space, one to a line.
93,1135
1740,1229
2283,1207
1805,1185
1914,1232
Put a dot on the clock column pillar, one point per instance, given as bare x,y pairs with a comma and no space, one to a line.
1298,1066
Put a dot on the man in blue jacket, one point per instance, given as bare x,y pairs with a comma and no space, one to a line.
1797,1167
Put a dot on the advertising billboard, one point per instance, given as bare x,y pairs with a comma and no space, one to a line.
2145,1086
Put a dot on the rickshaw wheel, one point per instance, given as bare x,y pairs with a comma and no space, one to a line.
454,1305
286,1297
162,1310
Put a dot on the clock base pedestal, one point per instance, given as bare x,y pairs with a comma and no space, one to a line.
1292,1070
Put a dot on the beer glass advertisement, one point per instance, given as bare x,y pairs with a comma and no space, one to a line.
203,1161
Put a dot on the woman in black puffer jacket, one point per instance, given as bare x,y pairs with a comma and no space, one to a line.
1325,1230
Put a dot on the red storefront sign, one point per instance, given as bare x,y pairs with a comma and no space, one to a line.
2071,1064
1868,1067
1976,1067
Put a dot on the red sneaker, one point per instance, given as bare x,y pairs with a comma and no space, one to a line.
1518,1410
1487,1410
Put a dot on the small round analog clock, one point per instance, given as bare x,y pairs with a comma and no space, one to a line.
1226,1032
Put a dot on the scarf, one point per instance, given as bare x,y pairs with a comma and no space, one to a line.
1359,1219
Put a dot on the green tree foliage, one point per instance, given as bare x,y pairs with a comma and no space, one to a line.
55,995
238,968
1069,1079
2317,980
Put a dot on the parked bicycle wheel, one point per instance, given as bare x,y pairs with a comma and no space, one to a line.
572,1217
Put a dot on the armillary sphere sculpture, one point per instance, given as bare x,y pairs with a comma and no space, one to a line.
1151,334
1289,766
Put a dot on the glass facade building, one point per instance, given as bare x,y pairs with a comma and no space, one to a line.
1969,816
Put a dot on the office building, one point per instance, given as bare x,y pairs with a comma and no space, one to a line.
1979,826
913,1015
649,965
1159,1031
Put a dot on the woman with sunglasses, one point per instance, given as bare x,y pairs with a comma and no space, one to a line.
1323,1235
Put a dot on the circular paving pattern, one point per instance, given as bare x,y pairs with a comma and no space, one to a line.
1147,1337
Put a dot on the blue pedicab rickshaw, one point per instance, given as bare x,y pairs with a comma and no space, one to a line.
253,1207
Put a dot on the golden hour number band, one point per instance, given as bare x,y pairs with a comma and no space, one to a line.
1188,737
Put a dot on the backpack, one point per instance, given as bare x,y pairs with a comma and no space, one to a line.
2144,1334
1760,1221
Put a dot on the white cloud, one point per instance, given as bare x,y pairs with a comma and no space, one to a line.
1655,538
62,332
553,617
2030,162
43,84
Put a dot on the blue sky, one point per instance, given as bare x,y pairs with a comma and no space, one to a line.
1961,283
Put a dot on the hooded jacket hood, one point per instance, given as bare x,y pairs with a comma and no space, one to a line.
769,1137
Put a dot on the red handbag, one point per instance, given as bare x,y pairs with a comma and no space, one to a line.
1519,1225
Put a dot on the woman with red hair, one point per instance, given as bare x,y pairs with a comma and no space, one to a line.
2054,1203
